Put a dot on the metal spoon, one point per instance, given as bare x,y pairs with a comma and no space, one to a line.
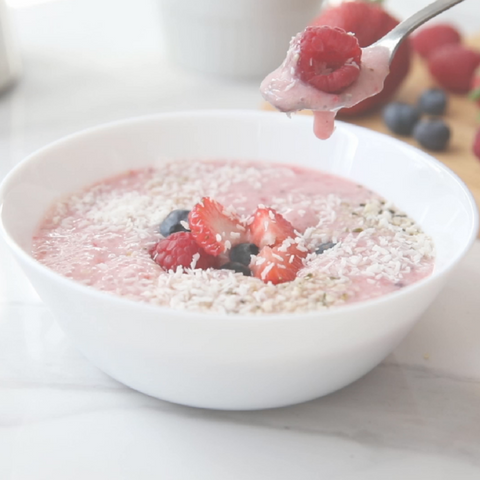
395,37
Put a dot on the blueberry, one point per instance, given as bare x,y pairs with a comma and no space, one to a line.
242,253
237,268
171,223
400,117
324,246
433,101
432,134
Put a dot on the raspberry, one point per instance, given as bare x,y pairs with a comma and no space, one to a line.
453,67
429,39
329,58
278,264
181,250
369,22
476,144
267,227
214,229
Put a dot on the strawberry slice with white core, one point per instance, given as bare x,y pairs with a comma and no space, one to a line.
215,228
277,264
267,227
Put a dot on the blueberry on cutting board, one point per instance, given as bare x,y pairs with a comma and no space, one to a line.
400,117
172,222
432,134
433,101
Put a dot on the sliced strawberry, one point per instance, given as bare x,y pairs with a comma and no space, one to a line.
215,229
181,250
329,58
291,247
277,264
267,227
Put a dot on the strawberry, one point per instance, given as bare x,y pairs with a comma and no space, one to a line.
329,58
267,227
181,250
453,67
429,39
277,264
476,144
215,229
369,22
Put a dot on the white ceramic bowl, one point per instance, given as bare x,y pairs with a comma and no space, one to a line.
236,362
233,38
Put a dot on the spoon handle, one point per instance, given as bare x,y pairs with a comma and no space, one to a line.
394,38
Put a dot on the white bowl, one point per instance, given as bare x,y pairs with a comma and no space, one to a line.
233,38
236,362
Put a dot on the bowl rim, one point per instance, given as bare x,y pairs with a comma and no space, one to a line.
168,313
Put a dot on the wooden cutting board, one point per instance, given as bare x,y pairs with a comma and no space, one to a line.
462,115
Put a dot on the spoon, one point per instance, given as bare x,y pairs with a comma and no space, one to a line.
395,37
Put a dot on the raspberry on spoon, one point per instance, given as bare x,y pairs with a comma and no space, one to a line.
328,58
322,73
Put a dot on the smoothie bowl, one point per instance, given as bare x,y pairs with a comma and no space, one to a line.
376,227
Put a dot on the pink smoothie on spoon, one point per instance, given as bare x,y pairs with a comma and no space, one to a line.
325,70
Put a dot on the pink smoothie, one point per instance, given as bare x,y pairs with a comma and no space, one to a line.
286,92
102,235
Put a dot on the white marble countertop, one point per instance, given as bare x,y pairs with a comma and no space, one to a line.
416,416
